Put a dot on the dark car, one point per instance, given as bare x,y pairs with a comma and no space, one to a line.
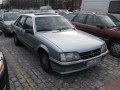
102,26
4,80
6,20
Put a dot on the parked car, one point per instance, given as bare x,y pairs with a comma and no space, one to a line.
47,9
101,26
63,12
4,77
61,47
6,20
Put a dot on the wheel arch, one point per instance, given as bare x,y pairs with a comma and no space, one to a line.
43,48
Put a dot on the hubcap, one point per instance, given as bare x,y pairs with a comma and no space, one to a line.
116,48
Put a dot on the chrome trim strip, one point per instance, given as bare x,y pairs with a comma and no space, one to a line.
67,72
76,62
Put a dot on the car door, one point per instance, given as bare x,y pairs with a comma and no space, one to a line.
79,21
29,37
91,23
18,27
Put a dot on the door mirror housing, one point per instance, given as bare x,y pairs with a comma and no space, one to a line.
29,31
100,26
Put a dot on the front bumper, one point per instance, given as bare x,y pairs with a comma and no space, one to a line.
75,66
7,30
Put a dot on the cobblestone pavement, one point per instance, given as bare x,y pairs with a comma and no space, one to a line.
25,72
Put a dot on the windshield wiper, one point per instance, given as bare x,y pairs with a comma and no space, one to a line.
65,28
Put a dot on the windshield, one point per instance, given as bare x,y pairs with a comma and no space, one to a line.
52,23
10,16
107,21
114,19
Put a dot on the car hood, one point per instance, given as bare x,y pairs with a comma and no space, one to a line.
73,40
8,22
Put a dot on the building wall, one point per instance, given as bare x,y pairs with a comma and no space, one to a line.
70,4
56,4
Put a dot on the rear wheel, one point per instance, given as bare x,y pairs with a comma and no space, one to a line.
16,40
45,63
114,48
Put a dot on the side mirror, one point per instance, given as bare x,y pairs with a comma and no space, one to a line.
100,26
0,32
29,31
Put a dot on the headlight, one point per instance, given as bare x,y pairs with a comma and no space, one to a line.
72,56
104,48
1,63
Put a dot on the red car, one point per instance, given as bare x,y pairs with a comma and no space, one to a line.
102,26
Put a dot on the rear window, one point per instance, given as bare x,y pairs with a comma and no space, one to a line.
114,7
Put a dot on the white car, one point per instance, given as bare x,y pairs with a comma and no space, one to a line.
61,47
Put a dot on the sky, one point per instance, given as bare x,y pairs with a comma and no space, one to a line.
0,1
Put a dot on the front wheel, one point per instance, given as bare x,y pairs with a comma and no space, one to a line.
16,40
114,48
45,63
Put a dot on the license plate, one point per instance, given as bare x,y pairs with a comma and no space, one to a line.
92,62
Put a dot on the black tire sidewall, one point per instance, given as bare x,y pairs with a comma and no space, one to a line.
48,69
16,41
4,31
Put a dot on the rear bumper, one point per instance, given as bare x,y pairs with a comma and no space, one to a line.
70,67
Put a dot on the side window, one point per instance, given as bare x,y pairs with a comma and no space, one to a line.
90,20
28,24
98,21
93,20
80,18
21,21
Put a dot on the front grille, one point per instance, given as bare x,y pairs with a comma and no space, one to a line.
90,54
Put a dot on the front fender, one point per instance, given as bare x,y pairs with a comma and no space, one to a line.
43,47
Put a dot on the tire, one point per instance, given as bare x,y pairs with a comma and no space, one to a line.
5,34
16,40
7,81
45,63
114,48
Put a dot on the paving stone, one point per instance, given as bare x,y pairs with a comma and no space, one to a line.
17,84
32,74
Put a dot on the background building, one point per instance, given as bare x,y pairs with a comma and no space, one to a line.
35,4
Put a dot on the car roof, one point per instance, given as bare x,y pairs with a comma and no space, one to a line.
41,14
95,13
